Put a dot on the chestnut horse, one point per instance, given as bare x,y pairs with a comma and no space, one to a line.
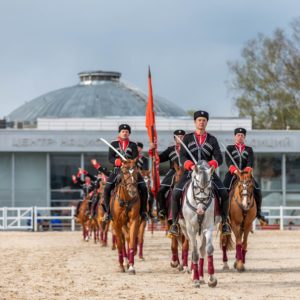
125,208
83,216
242,213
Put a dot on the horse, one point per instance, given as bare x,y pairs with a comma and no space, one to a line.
83,216
198,218
176,241
125,208
103,227
242,213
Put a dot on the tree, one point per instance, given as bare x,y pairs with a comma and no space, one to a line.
266,81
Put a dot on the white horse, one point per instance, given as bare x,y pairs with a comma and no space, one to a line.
198,213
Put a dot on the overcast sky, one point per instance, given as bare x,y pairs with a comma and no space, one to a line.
44,44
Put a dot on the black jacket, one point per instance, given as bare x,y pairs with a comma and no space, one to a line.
208,151
130,152
171,155
243,160
143,163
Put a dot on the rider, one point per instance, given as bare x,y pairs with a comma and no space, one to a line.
143,164
130,151
244,159
86,185
203,146
171,154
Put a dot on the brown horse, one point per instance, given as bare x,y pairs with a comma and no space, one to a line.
125,208
242,213
83,217
100,212
181,240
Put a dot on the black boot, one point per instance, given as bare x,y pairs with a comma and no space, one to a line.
225,226
150,203
162,202
144,198
174,229
258,200
224,204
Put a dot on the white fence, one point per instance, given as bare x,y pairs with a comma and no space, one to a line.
29,218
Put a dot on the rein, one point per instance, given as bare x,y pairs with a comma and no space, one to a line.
128,204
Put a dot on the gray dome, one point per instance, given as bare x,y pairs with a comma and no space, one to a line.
99,94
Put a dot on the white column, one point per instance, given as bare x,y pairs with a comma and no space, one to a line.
48,180
283,167
13,180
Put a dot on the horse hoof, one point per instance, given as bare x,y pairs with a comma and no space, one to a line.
131,270
174,264
121,269
196,283
225,266
113,247
234,265
212,282
240,267
141,258
105,245
202,281
185,269
180,268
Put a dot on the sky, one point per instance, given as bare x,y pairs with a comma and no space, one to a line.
187,43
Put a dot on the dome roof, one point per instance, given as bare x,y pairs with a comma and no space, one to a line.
99,94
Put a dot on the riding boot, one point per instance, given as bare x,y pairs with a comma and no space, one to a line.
106,196
94,208
223,195
161,199
143,209
258,200
174,229
150,203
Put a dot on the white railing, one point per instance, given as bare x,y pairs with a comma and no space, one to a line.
28,218
281,216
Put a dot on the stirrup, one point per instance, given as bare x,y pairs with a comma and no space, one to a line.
144,216
225,228
161,214
174,230
262,220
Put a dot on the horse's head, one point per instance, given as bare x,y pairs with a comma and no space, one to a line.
146,175
245,186
201,183
129,177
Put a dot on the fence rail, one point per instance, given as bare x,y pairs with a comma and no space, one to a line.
29,218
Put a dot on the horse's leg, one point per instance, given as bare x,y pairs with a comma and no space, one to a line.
236,228
212,280
244,245
141,239
132,239
195,255
185,255
201,259
174,248
120,246
105,236
113,246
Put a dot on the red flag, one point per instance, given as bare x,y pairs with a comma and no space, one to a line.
150,125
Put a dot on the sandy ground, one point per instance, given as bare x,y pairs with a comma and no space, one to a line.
59,265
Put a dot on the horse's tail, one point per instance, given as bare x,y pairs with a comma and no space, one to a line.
226,241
